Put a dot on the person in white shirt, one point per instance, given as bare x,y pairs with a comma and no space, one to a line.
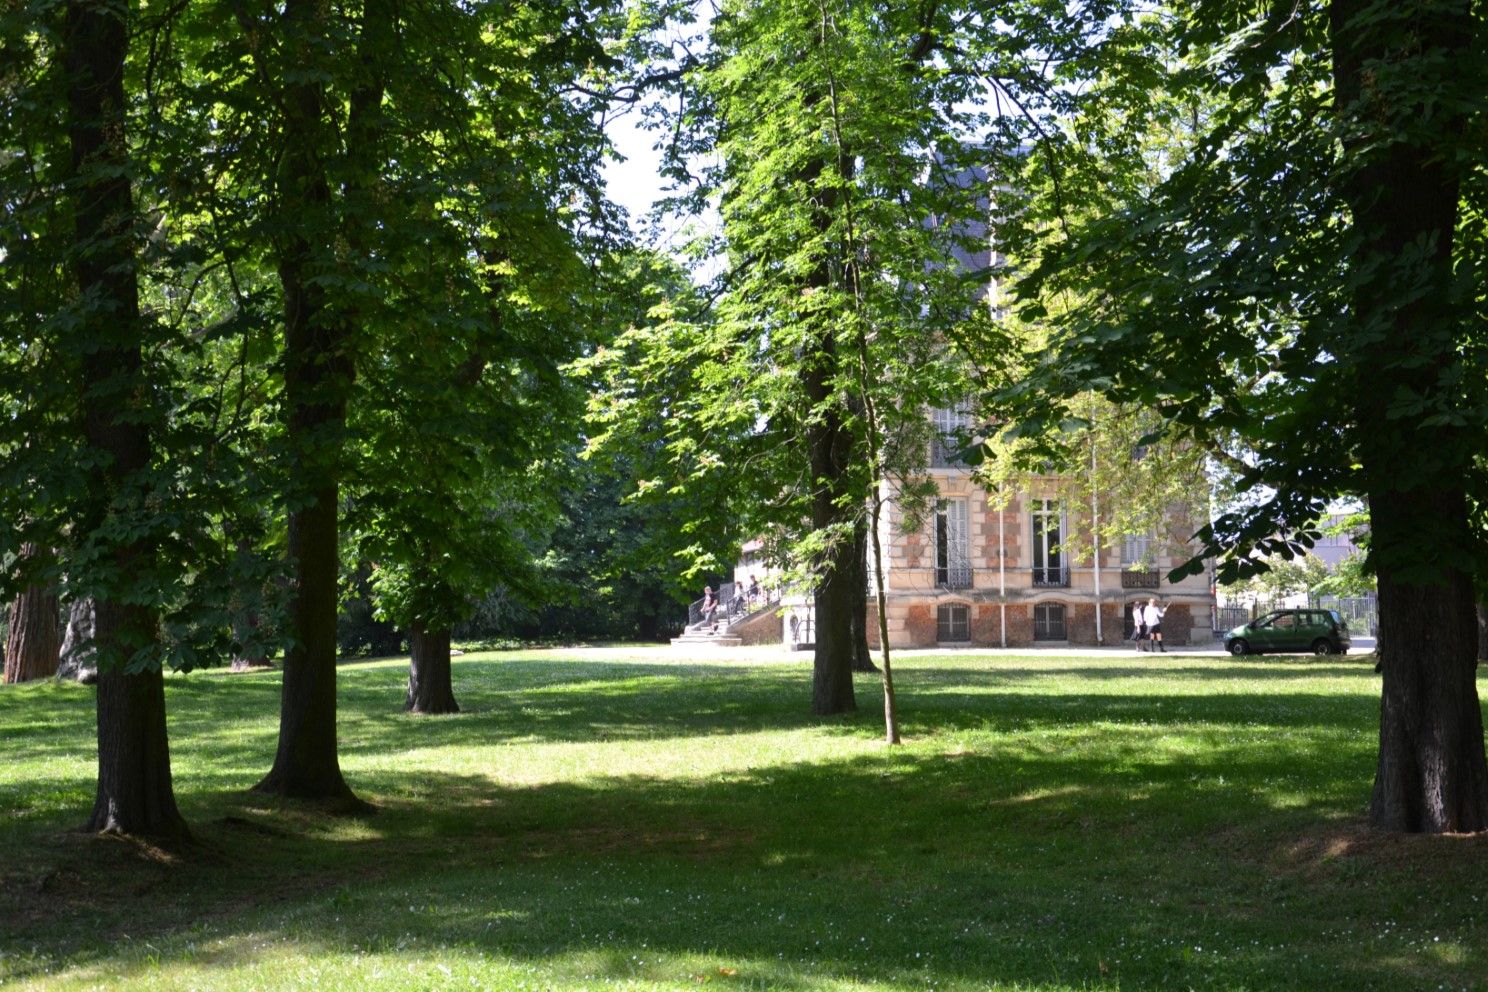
1152,616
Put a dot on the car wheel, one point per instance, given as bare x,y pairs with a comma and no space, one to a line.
1321,646
1238,647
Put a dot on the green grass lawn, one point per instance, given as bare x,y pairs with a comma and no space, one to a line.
625,819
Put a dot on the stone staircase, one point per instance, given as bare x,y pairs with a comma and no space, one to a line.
702,633
700,630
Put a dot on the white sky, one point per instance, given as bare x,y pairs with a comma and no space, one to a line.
634,184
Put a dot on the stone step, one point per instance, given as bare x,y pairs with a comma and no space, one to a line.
707,640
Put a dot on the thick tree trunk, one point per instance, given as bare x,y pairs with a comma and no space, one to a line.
839,579
33,641
306,764
79,660
1404,194
1431,776
836,602
318,373
134,794
430,676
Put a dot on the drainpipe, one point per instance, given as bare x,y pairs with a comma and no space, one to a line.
1095,542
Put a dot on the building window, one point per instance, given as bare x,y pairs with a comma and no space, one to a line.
1049,567
953,622
950,434
952,545
1048,622
1137,561
1136,549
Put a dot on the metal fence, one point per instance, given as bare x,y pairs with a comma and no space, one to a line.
1361,612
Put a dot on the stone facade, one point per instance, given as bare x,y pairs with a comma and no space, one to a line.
762,628
1003,589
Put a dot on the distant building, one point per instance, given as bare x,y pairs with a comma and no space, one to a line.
1334,548
977,574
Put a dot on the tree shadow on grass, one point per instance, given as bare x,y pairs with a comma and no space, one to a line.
994,865
232,722
1021,838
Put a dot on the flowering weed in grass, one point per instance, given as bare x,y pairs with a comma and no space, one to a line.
626,819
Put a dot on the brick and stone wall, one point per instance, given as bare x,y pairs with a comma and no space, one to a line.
762,628
1177,624
919,626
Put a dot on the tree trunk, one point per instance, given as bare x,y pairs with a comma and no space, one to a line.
135,794
1403,189
318,373
247,632
1482,632
836,593
862,657
79,660
830,445
430,687
247,620
33,642
306,764
1431,776
838,573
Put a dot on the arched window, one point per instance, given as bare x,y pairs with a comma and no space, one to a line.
1048,622
952,622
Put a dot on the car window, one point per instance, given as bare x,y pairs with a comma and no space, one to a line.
1286,621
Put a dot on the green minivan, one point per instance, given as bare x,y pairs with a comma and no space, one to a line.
1318,631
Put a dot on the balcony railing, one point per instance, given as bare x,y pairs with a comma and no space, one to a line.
1051,575
1140,580
953,576
943,452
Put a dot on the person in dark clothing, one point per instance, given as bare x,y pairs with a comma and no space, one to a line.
710,608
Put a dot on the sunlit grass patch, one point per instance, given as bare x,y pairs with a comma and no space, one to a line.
639,820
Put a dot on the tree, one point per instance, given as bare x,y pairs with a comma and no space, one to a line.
389,142
77,661
1301,280
134,779
33,637
648,512
1283,577
837,131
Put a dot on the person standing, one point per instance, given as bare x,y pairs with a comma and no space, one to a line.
1153,615
710,609
1139,624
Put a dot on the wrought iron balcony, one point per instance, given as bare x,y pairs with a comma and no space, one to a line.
943,452
953,576
1050,575
1140,580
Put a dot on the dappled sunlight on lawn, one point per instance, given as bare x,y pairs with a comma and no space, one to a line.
618,820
